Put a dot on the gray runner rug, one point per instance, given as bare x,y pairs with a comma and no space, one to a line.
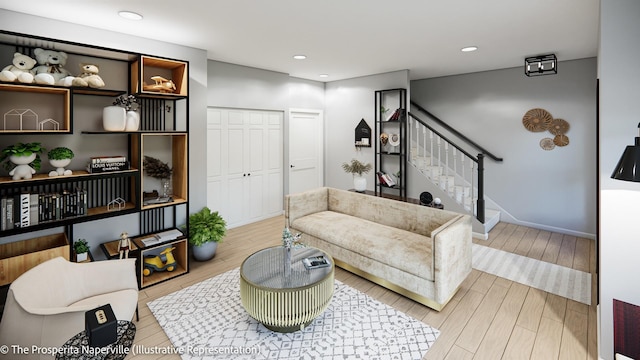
552,278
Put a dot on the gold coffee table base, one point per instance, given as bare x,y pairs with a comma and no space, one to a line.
293,305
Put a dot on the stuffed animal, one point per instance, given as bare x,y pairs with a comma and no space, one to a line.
50,69
20,71
89,77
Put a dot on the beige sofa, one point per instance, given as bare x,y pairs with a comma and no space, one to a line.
45,306
420,252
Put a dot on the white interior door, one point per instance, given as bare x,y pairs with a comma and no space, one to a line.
306,148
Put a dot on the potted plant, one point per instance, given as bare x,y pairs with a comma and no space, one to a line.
81,247
159,170
24,159
206,230
59,158
357,169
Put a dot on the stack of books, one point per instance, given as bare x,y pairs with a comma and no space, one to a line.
101,164
28,209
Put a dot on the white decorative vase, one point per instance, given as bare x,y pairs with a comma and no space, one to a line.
359,183
114,118
133,121
81,257
22,170
60,167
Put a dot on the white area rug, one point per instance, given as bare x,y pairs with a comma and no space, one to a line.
208,318
552,278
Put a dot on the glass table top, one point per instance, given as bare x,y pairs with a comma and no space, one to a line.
265,268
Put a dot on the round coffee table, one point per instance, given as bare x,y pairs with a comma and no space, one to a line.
281,302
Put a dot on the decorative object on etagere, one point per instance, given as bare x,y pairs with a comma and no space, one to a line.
159,170
20,116
24,159
60,158
161,85
131,104
122,115
357,169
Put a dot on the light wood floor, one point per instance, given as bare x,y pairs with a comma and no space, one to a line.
489,318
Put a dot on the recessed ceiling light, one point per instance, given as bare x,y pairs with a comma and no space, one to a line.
130,15
299,57
324,75
469,48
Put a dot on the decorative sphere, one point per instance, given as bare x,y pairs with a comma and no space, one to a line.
437,201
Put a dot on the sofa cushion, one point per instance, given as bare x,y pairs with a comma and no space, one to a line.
372,240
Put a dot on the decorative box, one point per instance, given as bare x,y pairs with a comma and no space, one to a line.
101,326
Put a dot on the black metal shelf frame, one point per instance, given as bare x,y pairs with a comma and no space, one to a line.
395,159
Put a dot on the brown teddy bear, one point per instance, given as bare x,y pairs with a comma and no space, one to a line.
89,77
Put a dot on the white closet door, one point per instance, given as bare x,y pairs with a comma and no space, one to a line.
249,161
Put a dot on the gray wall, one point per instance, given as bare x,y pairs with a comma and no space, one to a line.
620,201
237,86
553,189
348,102
97,232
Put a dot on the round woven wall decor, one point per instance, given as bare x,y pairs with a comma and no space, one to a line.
561,140
537,120
547,144
559,127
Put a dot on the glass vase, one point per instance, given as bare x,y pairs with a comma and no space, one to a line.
287,261
165,187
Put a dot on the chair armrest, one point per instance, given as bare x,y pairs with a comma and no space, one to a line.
305,203
452,256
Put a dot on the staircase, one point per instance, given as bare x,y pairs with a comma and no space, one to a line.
454,175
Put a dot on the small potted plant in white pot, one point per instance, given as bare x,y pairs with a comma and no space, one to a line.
357,169
81,248
59,158
206,229
23,159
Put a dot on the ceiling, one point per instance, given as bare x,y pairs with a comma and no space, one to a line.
350,38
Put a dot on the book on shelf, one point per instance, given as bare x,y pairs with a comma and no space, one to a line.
385,179
25,217
161,237
29,209
108,159
95,168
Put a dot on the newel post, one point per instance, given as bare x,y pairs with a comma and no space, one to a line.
480,201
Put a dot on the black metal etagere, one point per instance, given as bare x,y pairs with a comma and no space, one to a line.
391,142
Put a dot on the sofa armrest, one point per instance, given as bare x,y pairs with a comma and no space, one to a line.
451,256
305,203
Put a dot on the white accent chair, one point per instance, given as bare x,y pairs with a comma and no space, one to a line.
46,305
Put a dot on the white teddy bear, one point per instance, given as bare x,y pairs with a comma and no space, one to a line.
89,77
50,69
20,70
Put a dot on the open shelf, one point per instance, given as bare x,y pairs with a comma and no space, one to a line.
34,109
37,178
180,254
19,256
155,145
145,69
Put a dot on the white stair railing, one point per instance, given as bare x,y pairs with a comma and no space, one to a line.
446,165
